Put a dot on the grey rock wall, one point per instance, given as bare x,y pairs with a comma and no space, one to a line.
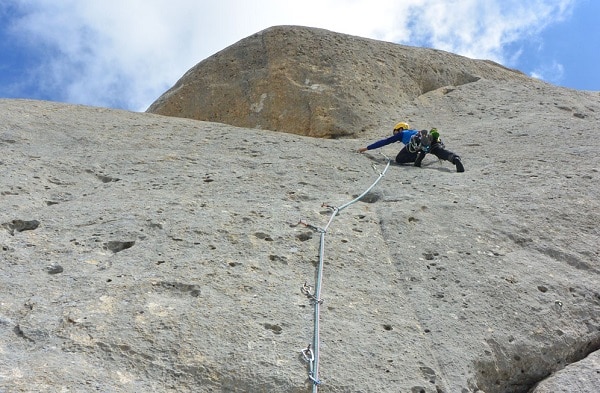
150,253
582,376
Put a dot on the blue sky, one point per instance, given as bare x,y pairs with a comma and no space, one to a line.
126,53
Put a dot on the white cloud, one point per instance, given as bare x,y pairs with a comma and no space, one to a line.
553,72
482,29
125,53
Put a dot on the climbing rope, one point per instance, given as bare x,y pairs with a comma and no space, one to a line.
311,352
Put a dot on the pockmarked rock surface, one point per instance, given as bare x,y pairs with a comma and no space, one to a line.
582,376
148,253
316,82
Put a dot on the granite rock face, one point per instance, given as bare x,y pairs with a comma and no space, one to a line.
316,82
141,252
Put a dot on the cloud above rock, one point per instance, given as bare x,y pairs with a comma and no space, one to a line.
125,54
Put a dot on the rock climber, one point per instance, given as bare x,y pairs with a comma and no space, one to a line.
417,144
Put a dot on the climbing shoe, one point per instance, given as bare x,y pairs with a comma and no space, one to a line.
459,166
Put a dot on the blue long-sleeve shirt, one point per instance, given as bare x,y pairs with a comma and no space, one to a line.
402,136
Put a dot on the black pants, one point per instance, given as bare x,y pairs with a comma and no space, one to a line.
437,149
405,157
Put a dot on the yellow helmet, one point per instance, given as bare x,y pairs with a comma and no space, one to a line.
401,126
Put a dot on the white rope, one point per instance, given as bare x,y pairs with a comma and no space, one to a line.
313,351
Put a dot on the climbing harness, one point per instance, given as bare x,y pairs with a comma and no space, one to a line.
311,352
414,144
